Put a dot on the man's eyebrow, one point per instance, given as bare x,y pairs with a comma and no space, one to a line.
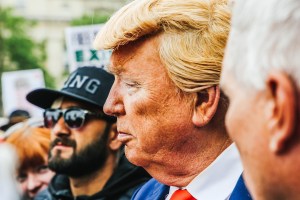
116,70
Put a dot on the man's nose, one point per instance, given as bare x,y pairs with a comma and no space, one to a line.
114,105
60,128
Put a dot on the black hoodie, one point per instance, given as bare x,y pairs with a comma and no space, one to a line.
120,186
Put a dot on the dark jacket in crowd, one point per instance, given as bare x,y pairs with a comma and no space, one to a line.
126,179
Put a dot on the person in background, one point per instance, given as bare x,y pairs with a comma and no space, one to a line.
261,77
32,144
85,153
167,57
14,117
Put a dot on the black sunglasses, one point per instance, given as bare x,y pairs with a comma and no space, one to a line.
74,117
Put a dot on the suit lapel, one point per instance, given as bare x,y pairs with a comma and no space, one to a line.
160,192
240,191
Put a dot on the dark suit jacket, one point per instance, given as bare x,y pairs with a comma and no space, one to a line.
153,190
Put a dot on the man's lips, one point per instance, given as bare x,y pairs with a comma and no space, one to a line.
124,137
61,146
63,143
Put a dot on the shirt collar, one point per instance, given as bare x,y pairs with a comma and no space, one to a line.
218,180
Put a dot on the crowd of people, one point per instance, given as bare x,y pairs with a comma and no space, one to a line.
199,101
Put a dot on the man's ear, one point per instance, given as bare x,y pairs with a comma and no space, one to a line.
283,115
206,105
113,142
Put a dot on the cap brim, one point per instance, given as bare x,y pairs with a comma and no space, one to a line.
44,97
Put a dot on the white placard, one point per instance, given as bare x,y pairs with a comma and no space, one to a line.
80,51
16,85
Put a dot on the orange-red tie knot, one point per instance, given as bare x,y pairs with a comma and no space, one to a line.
182,195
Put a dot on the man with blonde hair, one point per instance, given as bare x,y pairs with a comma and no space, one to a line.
262,79
166,59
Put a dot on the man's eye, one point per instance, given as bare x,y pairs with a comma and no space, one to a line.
131,84
21,178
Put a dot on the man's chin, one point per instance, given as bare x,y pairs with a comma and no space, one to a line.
59,164
61,154
58,158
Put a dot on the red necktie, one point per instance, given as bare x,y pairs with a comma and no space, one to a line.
182,195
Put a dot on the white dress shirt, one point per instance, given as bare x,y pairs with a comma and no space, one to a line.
218,180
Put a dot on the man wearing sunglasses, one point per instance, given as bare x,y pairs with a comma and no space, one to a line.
85,152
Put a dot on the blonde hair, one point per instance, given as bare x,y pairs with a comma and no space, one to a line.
193,36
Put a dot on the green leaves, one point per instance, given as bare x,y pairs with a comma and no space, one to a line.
91,19
18,51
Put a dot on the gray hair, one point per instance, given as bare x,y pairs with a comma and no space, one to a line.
265,36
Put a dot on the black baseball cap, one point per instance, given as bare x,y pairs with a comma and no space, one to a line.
87,84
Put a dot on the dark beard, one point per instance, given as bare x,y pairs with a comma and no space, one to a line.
82,163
